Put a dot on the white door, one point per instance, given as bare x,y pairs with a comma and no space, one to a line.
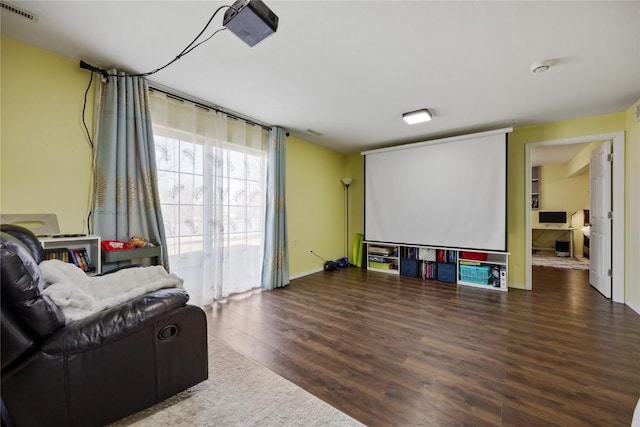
600,234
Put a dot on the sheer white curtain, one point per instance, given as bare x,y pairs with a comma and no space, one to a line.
211,180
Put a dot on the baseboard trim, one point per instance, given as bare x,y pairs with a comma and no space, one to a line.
299,275
632,306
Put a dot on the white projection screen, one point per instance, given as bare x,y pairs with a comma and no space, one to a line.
448,193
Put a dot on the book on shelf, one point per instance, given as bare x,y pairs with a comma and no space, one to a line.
81,259
409,252
61,254
382,250
428,270
446,256
76,259
470,263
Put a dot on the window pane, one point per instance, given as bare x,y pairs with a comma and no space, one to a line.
254,167
168,187
198,190
238,192
166,153
256,194
171,216
186,189
255,239
187,156
237,221
237,166
255,219
198,159
173,245
191,244
190,220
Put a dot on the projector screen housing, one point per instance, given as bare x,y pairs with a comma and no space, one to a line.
252,22
450,193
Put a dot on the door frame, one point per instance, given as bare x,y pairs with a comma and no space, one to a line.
618,194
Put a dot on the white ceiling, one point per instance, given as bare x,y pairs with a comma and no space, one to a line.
349,69
556,154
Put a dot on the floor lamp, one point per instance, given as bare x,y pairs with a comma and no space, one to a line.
346,182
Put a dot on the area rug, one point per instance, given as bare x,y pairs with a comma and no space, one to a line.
560,262
240,392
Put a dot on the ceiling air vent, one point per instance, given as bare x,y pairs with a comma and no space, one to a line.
10,8
314,132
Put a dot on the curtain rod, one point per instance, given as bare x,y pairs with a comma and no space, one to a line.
203,104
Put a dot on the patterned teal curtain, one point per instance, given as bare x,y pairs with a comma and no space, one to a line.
275,267
126,201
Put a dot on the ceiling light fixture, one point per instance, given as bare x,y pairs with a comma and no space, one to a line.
540,67
417,116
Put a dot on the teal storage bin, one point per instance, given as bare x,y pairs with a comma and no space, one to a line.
476,274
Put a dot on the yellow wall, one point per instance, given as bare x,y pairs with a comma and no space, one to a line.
515,176
45,157
315,205
580,162
354,168
560,192
632,168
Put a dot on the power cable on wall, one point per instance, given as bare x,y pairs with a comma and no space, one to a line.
84,108
90,141
188,49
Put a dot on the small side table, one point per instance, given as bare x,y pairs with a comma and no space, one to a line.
154,253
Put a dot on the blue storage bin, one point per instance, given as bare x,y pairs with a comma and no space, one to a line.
446,272
409,267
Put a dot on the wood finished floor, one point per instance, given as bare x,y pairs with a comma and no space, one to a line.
390,350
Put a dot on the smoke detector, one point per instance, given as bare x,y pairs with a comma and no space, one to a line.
540,67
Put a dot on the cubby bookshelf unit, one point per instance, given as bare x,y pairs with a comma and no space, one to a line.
481,269
472,271
383,258
90,243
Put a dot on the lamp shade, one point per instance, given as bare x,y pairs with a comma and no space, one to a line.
347,181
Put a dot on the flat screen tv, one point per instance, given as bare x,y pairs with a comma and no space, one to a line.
552,217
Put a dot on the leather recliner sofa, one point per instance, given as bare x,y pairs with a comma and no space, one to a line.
98,369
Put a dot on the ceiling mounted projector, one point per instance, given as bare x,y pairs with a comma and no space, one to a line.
251,20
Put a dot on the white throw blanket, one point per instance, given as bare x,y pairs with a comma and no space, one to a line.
79,295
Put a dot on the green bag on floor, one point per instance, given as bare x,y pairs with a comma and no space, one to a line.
357,250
